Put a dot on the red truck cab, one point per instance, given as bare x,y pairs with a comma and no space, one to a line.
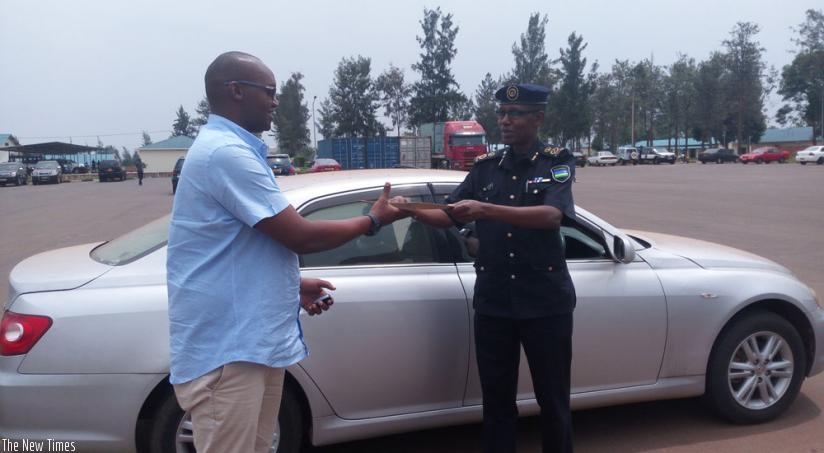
463,141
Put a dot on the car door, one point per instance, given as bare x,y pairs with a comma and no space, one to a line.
619,321
396,340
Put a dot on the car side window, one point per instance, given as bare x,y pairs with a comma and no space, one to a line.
405,241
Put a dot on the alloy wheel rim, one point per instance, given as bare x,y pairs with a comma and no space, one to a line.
760,370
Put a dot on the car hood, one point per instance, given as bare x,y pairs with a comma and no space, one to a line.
707,254
56,270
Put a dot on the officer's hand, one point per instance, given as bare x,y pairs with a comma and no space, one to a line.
466,211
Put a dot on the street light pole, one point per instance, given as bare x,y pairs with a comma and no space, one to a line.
314,126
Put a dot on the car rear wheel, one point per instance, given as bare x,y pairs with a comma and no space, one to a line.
171,428
759,161
820,161
756,368
781,160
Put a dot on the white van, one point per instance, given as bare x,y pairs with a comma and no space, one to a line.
627,155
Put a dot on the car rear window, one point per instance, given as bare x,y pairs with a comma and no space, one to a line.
134,244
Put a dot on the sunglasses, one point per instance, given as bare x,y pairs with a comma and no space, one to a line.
514,113
270,90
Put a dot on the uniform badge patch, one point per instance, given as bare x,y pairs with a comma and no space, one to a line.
552,150
561,173
512,93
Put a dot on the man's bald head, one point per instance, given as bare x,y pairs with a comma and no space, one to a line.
236,88
229,66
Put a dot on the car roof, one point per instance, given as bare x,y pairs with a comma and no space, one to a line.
308,186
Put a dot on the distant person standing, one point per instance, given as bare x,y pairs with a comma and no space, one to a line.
139,165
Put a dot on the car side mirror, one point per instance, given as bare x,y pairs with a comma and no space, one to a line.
622,249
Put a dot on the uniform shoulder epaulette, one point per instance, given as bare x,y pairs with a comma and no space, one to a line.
487,156
555,152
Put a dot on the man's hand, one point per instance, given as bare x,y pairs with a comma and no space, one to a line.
313,297
385,212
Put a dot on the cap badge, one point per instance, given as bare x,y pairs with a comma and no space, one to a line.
512,93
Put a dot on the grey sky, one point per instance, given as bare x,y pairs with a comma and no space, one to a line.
75,70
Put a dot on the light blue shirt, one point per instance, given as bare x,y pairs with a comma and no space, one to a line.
233,291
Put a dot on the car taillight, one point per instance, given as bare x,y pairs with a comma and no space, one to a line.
19,333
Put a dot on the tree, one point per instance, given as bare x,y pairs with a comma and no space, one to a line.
326,123
291,117
802,81
147,139
203,110
711,109
532,63
436,95
394,95
353,100
746,71
569,108
183,125
679,97
485,107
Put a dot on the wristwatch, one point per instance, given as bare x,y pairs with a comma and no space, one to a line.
376,224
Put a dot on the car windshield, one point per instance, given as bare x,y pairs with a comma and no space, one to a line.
326,162
9,166
134,244
466,140
47,164
278,160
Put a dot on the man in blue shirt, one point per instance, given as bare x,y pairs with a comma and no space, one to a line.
234,284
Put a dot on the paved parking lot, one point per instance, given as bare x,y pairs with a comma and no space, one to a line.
773,210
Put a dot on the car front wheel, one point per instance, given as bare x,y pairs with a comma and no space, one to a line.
171,428
756,368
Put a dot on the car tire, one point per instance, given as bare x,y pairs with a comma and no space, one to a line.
170,429
783,369
782,160
820,161
759,161
803,163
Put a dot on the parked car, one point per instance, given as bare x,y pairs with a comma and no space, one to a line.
717,155
46,171
580,158
281,164
627,155
110,170
176,173
68,166
324,164
810,154
84,335
765,155
603,158
655,156
13,173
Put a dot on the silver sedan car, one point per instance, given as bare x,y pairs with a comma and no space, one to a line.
84,337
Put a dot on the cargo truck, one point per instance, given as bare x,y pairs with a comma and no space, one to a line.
455,144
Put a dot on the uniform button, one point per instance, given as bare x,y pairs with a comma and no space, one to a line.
550,268
509,235
482,268
512,197
512,276
514,178
511,255
535,191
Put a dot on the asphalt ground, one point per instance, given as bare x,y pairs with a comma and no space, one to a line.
774,210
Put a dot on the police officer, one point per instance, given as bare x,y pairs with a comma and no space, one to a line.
524,295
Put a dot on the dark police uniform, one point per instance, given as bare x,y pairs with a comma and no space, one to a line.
523,291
